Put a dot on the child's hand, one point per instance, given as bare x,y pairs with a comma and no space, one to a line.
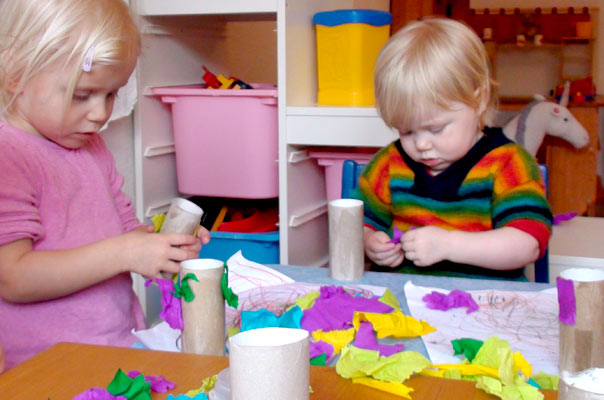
203,237
150,254
380,250
426,246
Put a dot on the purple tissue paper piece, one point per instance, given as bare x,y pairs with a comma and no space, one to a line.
171,308
335,307
566,301
159,384
397,234
564,217
456,298
98,394
319,347
365,339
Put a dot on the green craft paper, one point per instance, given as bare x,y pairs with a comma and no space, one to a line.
399,366
231,298
184,290
546,381
497,353
469,347
390,299
321,359
132,389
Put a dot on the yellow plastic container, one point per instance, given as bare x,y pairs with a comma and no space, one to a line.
348,43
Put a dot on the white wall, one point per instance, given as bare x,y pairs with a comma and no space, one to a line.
597,18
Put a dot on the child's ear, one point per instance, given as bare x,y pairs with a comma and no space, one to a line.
483,94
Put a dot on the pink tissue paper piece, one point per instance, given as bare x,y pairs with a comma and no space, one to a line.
563,217
171,309
319,347
566,301
98,394
335,307
397,234
159,384
456,298
365,339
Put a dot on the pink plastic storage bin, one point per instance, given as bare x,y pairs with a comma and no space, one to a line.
333,162
226,140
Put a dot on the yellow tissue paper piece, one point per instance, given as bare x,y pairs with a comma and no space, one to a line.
307,301
396,388
232,331
547,381
435,373
520,364
337,339
469,369
395,324
206,385
390,299
497,353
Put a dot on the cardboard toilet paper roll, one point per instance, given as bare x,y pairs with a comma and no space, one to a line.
581,300
203,317
346,254
269,364
183,216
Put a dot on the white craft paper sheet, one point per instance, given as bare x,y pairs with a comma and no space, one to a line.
527,320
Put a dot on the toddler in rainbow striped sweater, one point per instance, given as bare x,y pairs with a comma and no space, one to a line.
469,201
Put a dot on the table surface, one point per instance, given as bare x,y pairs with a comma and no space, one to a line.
67,369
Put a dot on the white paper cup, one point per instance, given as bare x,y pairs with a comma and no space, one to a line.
346,254
269,364
203,317
183,216
582,342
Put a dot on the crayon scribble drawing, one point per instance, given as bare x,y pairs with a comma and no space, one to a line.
527,320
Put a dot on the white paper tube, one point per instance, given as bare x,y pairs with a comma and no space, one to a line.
586,385
203,317
582,343
269,364
346,255
183,216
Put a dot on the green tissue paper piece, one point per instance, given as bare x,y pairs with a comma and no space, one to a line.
321,359
521,392
355,362
497,353
468,347
390,299
132,389
452,374
307,301
399,366
231,298
546,381
490,385
184,290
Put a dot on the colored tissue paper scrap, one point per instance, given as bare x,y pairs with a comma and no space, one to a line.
397,234
527,320
171,308
454,299
265,319
566,301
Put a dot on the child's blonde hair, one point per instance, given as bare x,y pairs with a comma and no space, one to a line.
432,62
37,33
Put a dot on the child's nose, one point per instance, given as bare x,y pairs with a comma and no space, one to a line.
99,112
423,142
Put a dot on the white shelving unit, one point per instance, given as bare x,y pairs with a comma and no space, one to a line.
183,35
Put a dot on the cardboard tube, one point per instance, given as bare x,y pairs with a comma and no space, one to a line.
582,342
203,317
586,385
183,216
346,254
269,364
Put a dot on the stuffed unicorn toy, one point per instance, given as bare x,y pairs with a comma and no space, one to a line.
542,117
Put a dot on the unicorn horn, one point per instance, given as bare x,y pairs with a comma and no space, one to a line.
565,93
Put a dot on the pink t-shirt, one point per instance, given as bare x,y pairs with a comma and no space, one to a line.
62,199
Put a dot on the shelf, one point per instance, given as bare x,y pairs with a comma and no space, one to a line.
201,7
337,126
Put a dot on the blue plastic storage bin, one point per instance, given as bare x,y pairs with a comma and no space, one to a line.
262,248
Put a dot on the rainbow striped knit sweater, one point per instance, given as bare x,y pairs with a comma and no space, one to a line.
496,184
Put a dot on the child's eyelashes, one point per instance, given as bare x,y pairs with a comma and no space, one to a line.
81,95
